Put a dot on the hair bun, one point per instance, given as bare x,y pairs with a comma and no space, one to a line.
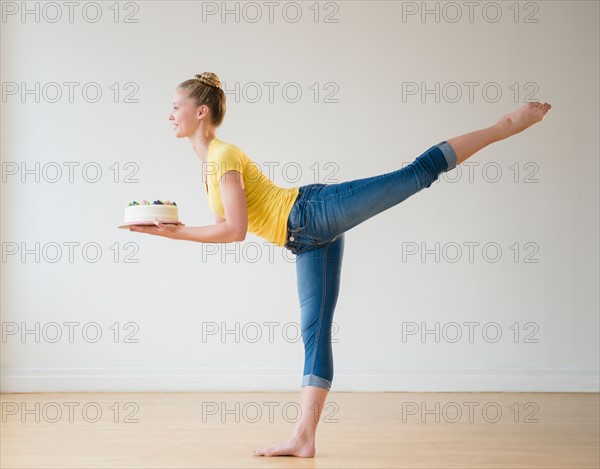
210,79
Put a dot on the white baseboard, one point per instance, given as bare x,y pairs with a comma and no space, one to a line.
154,379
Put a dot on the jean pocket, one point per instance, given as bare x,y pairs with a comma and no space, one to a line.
298,217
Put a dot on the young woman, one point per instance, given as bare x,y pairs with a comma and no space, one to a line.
310,221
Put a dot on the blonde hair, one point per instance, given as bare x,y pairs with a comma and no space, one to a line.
205,89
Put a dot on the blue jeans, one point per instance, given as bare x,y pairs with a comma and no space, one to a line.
316,226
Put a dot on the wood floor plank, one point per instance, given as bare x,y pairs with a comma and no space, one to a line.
357,430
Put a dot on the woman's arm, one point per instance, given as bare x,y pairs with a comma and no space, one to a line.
219,233
231,229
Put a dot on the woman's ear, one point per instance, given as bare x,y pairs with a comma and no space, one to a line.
202,110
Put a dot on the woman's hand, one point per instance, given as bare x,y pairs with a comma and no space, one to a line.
167,230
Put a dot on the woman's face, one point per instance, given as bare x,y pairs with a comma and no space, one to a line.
184,115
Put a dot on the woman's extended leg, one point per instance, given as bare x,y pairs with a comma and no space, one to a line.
467,145
336,208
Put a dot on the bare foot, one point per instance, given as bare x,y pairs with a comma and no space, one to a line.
302,447
522,118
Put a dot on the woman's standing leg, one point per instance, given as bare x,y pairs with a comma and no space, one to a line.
318,282
318,278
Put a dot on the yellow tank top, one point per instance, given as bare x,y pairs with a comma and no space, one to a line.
269,205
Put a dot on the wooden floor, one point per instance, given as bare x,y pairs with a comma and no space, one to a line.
357,430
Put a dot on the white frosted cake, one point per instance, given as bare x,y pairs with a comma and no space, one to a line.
144,212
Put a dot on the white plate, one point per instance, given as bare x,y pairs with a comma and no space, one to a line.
149,223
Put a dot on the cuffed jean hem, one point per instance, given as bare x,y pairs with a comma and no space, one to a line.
449,154
312,380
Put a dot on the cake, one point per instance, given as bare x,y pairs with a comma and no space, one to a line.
144,212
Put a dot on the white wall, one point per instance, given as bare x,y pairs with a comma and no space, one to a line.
176,288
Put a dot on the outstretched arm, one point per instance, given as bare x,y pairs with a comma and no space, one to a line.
230,229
